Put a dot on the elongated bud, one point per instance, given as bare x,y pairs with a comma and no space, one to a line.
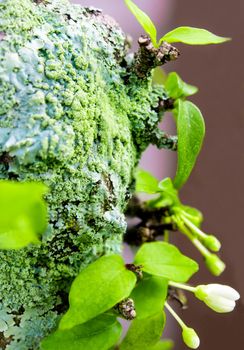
190,338
214,264
218,297
212,243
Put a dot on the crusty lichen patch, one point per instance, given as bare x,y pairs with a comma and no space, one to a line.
68,118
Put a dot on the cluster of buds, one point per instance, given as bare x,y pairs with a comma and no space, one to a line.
220,298
207,244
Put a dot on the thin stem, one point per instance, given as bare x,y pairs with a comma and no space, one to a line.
182,227
182,286
194,228
204,251
166,236
174,314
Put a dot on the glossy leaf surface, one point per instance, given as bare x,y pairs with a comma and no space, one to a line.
144,20
97,289
191,132
23,213
165,260
144,333
100,333
149,296
192,36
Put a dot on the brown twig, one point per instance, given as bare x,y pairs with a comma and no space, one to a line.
149,57
151,223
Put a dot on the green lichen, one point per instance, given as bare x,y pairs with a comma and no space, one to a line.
68,118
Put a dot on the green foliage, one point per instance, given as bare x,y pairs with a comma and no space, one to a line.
165,260
100,333
51,70
23,214
167,188
186,35
96,289
145,182
144,333
191,132
187,220
192,36
190,123
159,76
177,88
149,296
144,20
103,284
91,321
193,214
163,345
168,197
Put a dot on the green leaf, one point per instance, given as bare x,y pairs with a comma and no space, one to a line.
192,36
149,296
144,333
177,88
191,132
165,260
97,289
168,195
193,214
144,20
163,345
169,191
100,333
160,202
23,213
145,182
159,76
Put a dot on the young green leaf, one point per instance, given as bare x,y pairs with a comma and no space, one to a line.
144,20
193,214
97,289
192,36
23,214
177,88
100,333
160,202
165,260
191,132
168,190
159,76
145,182
149,296
163,345
144,333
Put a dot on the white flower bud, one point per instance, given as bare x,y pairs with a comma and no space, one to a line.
190,338
218,297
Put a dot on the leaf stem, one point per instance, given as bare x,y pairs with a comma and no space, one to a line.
204,251
182,286
174,314
166,236
194,228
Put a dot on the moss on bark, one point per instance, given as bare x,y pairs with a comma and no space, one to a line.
71,117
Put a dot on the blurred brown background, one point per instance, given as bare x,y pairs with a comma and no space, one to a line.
216,185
